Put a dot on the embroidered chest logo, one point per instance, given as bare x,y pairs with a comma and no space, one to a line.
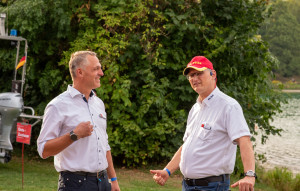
211,96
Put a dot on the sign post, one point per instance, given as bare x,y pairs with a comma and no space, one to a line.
23,136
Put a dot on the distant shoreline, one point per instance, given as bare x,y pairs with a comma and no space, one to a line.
291,91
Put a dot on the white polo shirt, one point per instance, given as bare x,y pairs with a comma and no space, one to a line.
61,116
212,126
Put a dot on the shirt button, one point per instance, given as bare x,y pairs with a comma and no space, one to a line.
99,150
98,138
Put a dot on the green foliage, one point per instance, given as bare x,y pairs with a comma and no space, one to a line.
296,183
48,27
282,179
143,47
144,120
282,31
238,168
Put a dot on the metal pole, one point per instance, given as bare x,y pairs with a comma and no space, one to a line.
17,58
24,68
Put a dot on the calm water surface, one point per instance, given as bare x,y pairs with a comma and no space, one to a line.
285,150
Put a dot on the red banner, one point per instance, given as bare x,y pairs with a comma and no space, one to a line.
23,133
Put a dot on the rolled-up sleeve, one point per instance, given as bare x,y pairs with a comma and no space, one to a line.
50,128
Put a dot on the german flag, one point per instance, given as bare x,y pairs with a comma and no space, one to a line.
21,63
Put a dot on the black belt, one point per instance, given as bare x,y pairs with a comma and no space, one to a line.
205,181
95,174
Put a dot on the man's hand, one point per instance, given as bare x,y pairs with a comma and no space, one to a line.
245,184
115,186
83,129
160,176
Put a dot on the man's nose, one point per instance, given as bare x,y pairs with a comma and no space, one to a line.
101,73
194,78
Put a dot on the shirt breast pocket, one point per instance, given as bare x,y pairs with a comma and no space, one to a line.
206,132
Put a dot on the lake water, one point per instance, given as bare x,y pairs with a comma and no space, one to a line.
284,151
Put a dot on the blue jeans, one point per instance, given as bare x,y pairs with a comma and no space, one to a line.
212,186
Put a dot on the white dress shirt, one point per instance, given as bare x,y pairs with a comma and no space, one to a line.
61,116
212,126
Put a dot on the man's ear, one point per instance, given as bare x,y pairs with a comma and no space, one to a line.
214,73
79,72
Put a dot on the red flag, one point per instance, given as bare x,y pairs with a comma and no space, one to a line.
22,62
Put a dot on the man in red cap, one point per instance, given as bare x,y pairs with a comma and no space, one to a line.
215,126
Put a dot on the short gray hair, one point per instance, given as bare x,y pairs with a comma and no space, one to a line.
79,59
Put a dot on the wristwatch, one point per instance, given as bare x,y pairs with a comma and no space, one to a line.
250,173
73,136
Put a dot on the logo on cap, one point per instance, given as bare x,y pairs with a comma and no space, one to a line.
192,63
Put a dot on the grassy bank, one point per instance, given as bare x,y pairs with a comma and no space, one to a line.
41,175
289,85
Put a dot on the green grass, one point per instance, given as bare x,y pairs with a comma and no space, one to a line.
37,175
41,175
282,179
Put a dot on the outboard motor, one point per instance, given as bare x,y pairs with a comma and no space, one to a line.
11,105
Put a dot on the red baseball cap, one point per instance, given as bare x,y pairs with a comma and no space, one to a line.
199,63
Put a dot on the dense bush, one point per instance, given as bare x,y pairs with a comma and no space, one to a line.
144,47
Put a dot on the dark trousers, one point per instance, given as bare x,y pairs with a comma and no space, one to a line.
69,181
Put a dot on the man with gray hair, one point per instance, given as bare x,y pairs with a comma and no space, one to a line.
74,131
215,126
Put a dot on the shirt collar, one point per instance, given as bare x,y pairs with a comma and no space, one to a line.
74,92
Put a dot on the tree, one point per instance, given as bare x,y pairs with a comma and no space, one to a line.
48,26
282,31
143,47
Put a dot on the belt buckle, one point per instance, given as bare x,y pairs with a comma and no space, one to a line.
189,182
100,174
